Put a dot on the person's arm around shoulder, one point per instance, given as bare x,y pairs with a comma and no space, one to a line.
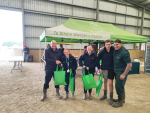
127,60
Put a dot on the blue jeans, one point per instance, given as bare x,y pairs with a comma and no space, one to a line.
25,56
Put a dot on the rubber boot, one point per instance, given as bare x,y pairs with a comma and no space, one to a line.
90,97
44,95
72,96
115,100
66,96
110,98
104,95
84,96
57,93
119,103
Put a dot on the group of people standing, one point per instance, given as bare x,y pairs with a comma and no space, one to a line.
116,63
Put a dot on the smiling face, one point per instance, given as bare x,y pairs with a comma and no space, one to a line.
90,48
53,44
117,46
66,52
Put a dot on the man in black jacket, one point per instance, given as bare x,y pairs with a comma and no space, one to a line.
52,58
26,53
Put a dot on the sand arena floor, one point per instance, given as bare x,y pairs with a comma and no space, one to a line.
20,92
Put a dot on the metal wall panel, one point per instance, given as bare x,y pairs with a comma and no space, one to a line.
34,43
61,20
121,27
40,20
63,1
63,9
37,5
86,3
11,3
106,17
146,23
107,6
146,31
33,31
139,22
147,15
131,29
33,19
120,19
131,21
82,12
121,9
132,11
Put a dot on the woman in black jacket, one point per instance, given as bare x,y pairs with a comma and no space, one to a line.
69,62
90,62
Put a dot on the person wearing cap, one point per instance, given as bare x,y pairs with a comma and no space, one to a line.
122,65
52,58
25,53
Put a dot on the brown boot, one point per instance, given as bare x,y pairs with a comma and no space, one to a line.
119,103
115,100
44,95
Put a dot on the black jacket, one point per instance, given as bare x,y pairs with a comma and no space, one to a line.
26,49
50,59
72,64
107,59
89,61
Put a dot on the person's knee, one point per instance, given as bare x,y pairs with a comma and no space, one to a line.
105,81
110,82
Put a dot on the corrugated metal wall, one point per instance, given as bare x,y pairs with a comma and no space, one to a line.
40,14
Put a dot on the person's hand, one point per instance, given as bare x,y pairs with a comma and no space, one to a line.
83,66
87,68
61,64
100,71
58,62
122,77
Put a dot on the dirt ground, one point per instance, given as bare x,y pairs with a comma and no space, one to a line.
20,92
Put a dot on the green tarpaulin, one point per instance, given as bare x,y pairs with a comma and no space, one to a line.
75,31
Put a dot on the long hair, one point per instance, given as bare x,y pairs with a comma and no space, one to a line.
68,51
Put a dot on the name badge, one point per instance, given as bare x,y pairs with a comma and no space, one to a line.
68,71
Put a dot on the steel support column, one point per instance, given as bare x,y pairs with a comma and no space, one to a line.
142,22
23,25
97,11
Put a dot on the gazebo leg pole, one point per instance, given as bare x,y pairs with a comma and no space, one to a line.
40,54
80,48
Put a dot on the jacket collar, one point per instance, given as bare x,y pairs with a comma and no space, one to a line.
53,50
88,54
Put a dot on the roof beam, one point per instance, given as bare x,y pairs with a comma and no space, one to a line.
146,2
137,4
